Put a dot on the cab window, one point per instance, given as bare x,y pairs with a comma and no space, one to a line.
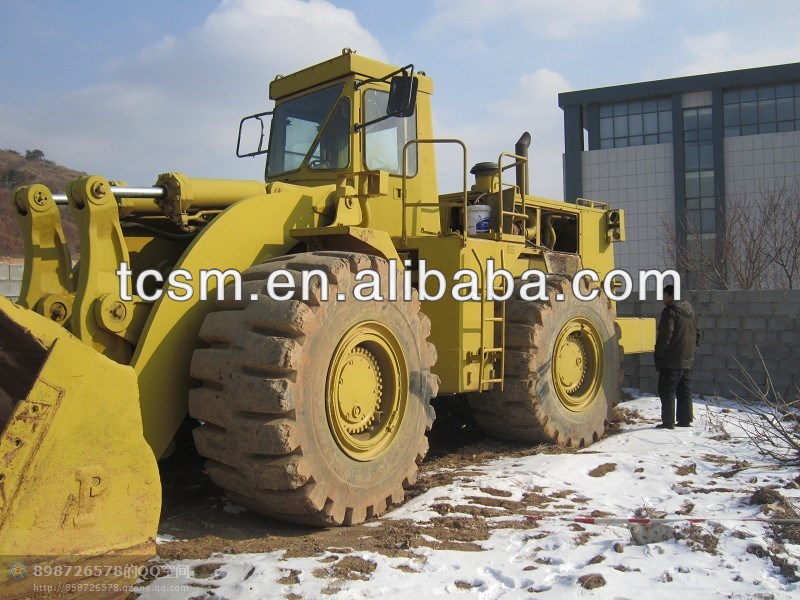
385,140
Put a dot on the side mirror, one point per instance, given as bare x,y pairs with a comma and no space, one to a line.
252,132
402,96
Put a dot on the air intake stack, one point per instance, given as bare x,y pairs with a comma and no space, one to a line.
485,177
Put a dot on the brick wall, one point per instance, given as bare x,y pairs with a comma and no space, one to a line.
10,280
736,325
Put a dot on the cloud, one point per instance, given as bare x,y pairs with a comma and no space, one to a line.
720,51
531,106
176,104
557,19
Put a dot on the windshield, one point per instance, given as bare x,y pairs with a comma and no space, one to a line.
296,124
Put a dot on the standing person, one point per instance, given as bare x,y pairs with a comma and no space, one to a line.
676,343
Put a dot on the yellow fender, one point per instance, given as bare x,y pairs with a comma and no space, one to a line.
246,233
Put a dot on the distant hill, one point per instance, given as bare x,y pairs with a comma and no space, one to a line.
22,169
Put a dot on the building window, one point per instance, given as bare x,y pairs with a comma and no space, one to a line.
698,154
764,109
635,123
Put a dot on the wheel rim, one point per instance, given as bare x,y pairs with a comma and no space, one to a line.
367,391
577,364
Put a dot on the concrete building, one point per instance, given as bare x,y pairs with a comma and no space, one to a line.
672,153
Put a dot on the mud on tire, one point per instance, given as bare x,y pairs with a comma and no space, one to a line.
265,428
529,409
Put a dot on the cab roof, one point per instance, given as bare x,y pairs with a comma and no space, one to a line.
337,68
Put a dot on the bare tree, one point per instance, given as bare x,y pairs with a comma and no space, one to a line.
779,211
731,258
769,418
695,259
756,245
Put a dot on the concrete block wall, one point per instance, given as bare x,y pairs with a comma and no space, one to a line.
10,280
737,327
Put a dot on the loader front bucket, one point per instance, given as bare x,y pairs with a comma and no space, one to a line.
78,483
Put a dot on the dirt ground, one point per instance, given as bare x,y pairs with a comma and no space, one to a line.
202,521
531,538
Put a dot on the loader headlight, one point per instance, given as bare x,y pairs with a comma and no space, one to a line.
615,226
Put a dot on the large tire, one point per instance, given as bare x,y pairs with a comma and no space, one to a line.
271,430
534,407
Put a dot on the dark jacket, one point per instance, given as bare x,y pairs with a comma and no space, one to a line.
678,336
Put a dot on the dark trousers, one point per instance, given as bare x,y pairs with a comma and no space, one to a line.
672,382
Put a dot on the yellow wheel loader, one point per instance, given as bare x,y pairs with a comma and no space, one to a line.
312,407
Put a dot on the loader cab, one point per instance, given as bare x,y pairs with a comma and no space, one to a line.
343,120
312,131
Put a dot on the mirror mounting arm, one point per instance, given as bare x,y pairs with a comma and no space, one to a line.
359,126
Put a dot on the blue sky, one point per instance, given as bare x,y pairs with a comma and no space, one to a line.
131,89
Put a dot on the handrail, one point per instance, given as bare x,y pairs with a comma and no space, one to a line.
592,203
462,204
520,160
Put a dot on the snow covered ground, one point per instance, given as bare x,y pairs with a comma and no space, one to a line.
529,549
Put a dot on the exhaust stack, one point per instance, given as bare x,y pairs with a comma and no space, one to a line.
523,171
